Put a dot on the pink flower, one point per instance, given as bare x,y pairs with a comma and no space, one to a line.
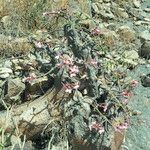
126,93
133,83
67,87
38,44
96,31
30,78
96,126
73,71
76,86
121,126
93,62
59,65
125,101
104,106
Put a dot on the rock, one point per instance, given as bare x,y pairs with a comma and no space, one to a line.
39,86
6,21
131,54
84,6
14,88
145,50
107,15
147,19
131,58
86,21
95,8
103,9
147,10
18,146
138,23
120,12
60,145
28,64
126,34
8,64
145,36
5,72
145,80
106,1
136,3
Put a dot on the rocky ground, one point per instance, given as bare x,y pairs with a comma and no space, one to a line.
124,26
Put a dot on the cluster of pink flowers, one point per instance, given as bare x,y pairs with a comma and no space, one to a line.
97,127
96,31
120,127
126,93
39,44
30,78
133,83
73,71
93,62
63,61
69,87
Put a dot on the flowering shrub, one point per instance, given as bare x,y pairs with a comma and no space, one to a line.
80,64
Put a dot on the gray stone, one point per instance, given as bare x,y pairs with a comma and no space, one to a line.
138,23
147,10
18,146
120,12
14,88
95,8
109,15
131,54
6,21
106,1
5,72
145,80
136,3
145,36
145,50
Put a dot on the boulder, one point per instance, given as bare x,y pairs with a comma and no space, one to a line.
144,51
